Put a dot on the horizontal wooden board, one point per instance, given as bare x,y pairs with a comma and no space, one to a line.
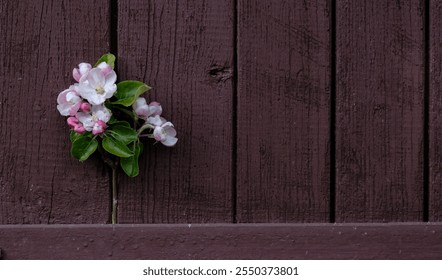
223,241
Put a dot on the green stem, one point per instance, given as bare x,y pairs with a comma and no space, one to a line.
127,112
146,135
144,127
114,195
114,166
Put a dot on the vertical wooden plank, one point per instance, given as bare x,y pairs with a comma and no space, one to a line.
283,111
42,41
379,113
435,111
184,50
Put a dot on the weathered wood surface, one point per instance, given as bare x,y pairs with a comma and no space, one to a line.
435,111
42,41
379,111
279,164
252,241
184,50
283,111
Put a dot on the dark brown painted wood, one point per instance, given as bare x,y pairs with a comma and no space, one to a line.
283,111
435,112
252,241
184,51
379,112
42,41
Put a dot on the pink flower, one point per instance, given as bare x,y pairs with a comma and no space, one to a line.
68,102
82,70
96,87
96,120
165,134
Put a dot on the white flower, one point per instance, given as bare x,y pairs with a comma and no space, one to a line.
155,108
165,134
68,102
97,87
141,108
96,120
156,121
144,111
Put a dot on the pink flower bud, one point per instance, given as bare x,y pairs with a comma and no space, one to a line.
141,108
155,108
85,107
72,122
102,123
99,127
79,129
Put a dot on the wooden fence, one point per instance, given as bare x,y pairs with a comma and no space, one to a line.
287,112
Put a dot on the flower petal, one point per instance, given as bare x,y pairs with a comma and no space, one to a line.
155,108
105,68
95,78
86,120
101,113
169,130
111,78
170,141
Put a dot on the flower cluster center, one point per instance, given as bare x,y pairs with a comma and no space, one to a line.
100,90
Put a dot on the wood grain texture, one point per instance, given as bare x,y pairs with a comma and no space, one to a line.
435,112
379,112
283,111
42,41
251,241
184,51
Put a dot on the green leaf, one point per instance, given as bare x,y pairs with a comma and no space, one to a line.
123,134
119,123
117,148
112,120
108,58
74,136
83,147
122,109
130,164
128,91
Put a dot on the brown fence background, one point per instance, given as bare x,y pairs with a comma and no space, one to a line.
288,112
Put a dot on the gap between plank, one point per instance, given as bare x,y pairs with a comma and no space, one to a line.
234,166
426,167
332,111
113,48
113,27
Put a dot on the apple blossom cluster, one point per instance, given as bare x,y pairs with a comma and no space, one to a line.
100,112
84,101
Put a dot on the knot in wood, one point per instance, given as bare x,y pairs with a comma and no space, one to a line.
220,73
